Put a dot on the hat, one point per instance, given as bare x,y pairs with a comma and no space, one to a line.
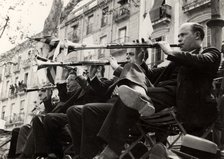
198,147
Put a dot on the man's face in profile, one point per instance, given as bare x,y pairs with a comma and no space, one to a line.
44,94
186,38
72,84
130,55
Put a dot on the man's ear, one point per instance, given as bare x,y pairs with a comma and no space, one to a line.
99,68
197,35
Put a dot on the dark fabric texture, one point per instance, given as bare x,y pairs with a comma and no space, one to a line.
41,147
29,147
85,123
186,85
194,103
115,128
22,138
56,134
12,148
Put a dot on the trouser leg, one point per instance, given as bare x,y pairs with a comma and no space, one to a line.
117,125
22,138
93,117
41,146
13,142
56,133
74,114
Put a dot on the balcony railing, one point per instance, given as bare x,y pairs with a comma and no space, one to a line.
121,13
89,29
161,14
187,7
119,41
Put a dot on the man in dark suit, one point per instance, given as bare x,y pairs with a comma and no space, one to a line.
25,144
190,93
84,126
55,123
68,93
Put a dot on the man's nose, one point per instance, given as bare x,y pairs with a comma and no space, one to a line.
180,40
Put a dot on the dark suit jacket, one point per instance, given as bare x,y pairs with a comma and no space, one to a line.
195,104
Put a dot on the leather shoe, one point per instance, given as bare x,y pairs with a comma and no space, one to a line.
107,153
136,99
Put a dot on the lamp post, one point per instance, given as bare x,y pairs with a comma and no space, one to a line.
216,24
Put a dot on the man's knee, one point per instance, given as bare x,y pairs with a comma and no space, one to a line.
48,120
74,111
36,120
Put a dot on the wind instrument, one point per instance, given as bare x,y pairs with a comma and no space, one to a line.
79,63
38,89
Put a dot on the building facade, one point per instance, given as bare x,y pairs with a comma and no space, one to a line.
96,22
16,74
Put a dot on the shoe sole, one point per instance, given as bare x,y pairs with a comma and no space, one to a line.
133,99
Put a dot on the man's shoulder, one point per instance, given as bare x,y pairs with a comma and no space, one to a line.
211,49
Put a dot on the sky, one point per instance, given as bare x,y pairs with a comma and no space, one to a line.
26,18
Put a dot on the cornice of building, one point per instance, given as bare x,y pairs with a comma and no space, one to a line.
83,10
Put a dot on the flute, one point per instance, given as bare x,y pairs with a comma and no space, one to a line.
79,63
77,46
38,89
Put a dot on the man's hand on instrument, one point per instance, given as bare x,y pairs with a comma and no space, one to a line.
165,46
80,71
140,53
113,62
92,71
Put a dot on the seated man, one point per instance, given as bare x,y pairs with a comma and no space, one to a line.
68,93
84,133
25,131
54,123
191,95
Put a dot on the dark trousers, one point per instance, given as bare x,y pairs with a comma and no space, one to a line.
13,142
39,137
28,148
22,138
121,119
85,122
57,133
19,141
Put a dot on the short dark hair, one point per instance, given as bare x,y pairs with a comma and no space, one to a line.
102,69
198,28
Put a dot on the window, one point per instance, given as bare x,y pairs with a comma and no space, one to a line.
157,55
12,114
3,112
16,80
7,88
103,40
104,19
22,105
90,25
74,34
122,35
21,110
25,78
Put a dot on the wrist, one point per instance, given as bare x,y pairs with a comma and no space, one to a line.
115,67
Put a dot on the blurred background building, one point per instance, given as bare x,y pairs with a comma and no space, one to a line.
95,22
